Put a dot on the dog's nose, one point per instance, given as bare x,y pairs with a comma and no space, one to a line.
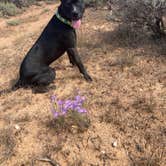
75,14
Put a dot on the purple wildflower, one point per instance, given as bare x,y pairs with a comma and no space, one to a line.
63,112
82,110
54,112
61,107
60,102
68,105
53,98
79,99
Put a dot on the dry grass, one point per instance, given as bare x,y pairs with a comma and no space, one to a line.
74,122
13,22
24,20
7,143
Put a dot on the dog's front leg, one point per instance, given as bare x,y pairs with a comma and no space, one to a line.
72,52
71,59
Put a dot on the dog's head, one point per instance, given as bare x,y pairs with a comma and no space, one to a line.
72,10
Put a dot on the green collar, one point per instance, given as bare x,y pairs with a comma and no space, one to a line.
63,19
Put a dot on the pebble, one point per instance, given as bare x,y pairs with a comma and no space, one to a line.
17,127
115,144
103,152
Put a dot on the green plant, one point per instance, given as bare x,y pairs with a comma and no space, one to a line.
45,11
69,114
13,22
8,9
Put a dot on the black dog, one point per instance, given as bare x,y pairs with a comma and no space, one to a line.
57,38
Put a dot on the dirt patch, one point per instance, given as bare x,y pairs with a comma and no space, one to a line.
126,100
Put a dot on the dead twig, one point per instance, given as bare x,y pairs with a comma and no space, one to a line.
53,163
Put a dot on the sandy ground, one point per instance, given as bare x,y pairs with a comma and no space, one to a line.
126,101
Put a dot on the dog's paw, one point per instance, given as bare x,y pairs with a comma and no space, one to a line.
88,78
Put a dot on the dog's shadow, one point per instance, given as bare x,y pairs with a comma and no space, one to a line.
35,89
42,89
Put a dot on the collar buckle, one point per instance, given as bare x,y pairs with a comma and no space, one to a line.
63,19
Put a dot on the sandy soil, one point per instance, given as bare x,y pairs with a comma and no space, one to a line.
126,100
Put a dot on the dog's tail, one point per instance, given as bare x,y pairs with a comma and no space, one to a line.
16,86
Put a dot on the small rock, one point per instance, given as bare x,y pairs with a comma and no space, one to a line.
17,127
103,152
115,144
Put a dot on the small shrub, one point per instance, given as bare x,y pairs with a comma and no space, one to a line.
94,3
45,11
147,105
23,3
69,114
8,9
141,15
124,61
7,143
50,1
13,22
